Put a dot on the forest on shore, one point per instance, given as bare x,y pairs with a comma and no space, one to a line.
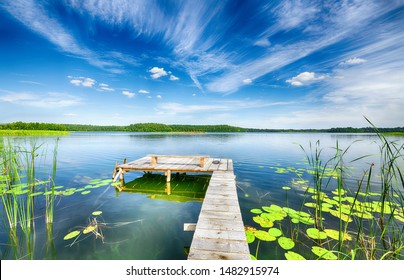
158,127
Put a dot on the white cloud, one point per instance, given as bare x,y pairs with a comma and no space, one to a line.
159,96
247,81
103,85
105,89
82,81
143,91
128,93
305,78
353,61
174,78
263,42
157,72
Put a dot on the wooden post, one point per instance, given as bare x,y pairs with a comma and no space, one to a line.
124,161
202,161
168,174
168,188
153,160
121,174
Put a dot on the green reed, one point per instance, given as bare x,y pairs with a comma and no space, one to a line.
18,180
362,221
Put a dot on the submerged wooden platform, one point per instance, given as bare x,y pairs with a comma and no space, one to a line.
219,232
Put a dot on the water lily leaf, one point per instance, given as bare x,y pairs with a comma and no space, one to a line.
363,215
334,234
67,193
85,192
399,217
295,221
286,188
289,211
264,235
342,192
36,193
256,211
286,243
292,256
281,170
273,216
316,234
96,213
265,223
71,235
323,253
261,166
341,216
310,204
95,181
275,232
89,228
250,236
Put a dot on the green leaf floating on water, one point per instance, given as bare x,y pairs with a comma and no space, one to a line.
286,243
96,213
275,232
256,211
316,234
323,253
286,188
334,234
292,256
250,236
265,223
71,235
85,192
264,235
89,229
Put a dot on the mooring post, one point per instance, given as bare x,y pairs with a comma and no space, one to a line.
168,174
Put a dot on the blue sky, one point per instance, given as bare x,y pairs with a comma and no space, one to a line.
261,64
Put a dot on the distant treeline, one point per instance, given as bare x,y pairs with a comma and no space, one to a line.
158,127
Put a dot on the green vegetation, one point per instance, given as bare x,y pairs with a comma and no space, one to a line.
349,222
33,133
36,129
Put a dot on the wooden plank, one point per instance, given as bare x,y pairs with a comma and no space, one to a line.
197,254
220,230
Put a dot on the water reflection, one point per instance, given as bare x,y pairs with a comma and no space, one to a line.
182,188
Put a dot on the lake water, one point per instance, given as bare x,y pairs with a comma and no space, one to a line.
136,225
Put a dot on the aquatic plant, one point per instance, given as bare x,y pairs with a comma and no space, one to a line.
337,219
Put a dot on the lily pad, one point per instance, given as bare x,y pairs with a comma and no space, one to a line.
363,215
264,235
286,243
316,234
334,234
89,228
96,213
71,235
292,256
265,223
85,192
342,216
250,236
275,232
399,217
256,211
274,216
286,188
323,253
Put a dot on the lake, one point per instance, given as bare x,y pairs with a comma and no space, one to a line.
147,224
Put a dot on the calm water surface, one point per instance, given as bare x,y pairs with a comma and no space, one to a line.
139,226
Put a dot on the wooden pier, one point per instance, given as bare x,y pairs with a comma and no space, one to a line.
219,231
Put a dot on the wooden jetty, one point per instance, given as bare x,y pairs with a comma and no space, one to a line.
219,232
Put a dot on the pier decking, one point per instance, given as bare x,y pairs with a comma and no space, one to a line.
219,232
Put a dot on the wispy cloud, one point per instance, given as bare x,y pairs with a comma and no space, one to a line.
143,91
172,108
49,100
173,78
353,61
83,81
34,15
